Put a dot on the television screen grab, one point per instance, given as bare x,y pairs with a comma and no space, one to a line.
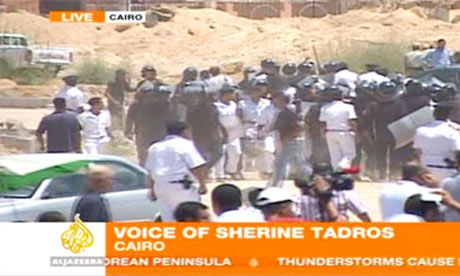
229,137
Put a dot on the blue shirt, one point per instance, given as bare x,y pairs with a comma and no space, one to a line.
62,131
438,58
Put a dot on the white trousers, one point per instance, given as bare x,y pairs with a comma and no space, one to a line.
342,148
170,195
232,151
96,146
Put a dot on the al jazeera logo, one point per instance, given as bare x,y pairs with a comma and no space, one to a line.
77,237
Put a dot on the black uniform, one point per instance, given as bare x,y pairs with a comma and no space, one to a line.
149,122
380,115
203,120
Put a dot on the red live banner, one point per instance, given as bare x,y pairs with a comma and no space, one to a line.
282,249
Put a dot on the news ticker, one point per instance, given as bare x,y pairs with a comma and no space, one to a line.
229,249
97,17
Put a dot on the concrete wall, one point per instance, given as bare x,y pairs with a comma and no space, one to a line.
28,5
12,102
24,144
247,8
280,8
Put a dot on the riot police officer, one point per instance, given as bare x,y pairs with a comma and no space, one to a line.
203,119
147,117
387,108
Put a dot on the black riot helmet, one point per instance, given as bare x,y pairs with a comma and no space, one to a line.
289,69
331,93
190,74
415,88
269,65
305,89
366,88
387,91
147,68
306,68
444,93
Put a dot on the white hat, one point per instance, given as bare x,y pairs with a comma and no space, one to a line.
273,195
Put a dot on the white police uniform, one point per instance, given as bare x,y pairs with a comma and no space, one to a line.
269,139
95,137
73,96
373,77
340,136
346,78
251,112
168,161
228,118
437,141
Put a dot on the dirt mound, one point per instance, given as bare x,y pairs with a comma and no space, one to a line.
207,37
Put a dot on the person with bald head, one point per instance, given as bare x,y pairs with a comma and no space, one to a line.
93,206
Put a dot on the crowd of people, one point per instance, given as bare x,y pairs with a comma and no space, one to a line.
307,122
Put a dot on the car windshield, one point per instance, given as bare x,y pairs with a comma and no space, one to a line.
23,192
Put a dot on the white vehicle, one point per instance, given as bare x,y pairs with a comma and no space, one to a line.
129,200
17,52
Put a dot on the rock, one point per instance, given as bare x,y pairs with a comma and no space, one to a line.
151,20
7,84
122,28
456,19
387,23
232,67
190,32
455,6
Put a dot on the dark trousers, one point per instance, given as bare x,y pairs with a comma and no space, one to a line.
387,159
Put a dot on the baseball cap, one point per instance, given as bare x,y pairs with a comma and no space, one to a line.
273,195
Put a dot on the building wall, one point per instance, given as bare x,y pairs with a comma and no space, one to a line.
28,5
245,8
280,8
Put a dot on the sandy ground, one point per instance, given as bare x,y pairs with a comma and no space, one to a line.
29,118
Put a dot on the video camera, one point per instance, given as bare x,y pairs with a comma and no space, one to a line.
340,180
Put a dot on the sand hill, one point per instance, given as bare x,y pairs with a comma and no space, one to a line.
207,37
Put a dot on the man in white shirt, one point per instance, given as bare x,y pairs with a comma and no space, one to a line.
72,94
416,179
269,138
174,164
217,80
372,76
251,110
233,129
95,124
227,205
436,142
338,119
345,78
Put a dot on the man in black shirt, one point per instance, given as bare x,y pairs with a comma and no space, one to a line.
292,145
62,130
92,206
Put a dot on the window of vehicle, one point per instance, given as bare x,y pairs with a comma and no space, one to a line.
449,76
125,178
19,41
4,40
66,186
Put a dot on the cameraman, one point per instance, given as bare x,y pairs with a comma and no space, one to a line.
321,202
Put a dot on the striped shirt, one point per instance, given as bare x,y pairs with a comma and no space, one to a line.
344,200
